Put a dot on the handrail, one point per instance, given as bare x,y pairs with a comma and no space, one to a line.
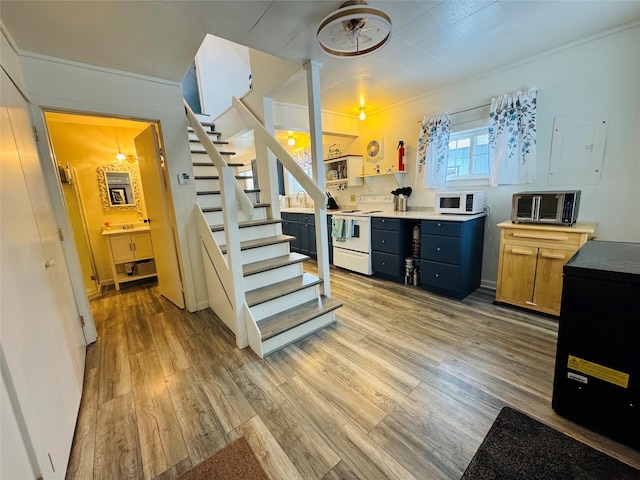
245,203
307,183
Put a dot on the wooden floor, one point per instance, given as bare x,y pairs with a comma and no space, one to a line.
405,385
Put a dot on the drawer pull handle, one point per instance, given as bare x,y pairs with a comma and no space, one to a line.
557,256
383,221
384,241
439,224
541,236
437,275
438,249
517,251
531,303
384,264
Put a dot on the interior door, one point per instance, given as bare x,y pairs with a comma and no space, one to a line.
155,198
42,344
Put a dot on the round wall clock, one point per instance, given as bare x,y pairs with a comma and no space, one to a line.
374,150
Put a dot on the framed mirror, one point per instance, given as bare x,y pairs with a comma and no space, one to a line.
119,188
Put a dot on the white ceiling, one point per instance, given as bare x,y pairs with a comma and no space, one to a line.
433,42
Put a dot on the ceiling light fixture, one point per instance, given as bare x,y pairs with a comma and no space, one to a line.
291,141
355,29
362,115
120,156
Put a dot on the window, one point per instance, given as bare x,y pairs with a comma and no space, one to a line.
468,155
294,186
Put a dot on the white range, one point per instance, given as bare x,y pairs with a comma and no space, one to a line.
351,232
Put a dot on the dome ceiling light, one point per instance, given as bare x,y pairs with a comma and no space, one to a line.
354,30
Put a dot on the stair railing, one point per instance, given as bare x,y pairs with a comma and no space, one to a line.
308,184
225,280
246,206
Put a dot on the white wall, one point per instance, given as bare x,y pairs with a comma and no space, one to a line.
223,72
602,73
70,86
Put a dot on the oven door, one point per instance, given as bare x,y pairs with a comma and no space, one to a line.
357,233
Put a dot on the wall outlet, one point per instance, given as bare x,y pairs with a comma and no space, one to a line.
353,198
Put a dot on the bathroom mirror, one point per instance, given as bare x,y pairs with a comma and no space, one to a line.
119,188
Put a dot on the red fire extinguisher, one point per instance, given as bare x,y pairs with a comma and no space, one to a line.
401,157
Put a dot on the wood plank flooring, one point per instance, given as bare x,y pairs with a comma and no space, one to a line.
404,386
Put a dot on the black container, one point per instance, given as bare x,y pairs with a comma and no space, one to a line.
597,372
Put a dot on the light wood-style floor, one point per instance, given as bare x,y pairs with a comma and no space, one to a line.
405,385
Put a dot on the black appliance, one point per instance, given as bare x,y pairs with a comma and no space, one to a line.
559,207
597,372
331,203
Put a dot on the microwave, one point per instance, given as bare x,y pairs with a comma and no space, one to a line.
559,207
461,203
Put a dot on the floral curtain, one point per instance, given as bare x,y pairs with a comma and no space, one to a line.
303,158
512,138
433,151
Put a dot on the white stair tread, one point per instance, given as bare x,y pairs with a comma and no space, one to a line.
281,322
280,289
272,263
261,242
250,223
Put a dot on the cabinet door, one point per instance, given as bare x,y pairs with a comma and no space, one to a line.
121,248
142,245
548,288
518,272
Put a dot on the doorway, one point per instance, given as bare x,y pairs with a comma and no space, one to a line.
84,147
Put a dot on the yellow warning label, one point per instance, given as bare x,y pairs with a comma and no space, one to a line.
598,371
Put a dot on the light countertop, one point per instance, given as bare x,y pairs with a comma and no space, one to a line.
409,215
118,230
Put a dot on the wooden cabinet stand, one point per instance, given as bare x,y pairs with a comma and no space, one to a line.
131,255
531,261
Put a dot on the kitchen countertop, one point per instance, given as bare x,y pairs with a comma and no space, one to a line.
409,215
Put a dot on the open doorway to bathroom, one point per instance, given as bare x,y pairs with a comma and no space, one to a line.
110,172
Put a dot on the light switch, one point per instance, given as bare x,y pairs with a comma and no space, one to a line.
184,178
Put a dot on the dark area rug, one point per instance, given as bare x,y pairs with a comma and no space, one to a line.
519,447
236,461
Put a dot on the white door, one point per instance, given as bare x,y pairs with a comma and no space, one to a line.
41,340
155,199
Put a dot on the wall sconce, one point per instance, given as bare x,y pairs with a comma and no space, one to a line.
291,141
362,115
131,158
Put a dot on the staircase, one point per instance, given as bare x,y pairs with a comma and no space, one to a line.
285,304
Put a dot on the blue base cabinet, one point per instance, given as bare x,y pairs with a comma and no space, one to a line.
388,248
451,256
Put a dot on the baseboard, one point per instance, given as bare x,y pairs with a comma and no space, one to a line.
488,284
202,306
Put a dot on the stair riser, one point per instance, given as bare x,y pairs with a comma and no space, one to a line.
283,303
263,253
252,233
301,331
262,279
211,184
202,157
215,200
213,136
216,218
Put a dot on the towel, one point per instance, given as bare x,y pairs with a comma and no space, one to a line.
338,229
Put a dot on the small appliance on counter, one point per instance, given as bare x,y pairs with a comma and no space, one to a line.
460,203
558,207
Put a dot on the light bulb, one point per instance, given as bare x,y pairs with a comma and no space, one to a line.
121,156
362,116
291,141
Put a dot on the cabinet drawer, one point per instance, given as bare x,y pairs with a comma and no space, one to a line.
292,217
435,227
385,241
543,236
440,249
308,218
386,223
440,275
386,264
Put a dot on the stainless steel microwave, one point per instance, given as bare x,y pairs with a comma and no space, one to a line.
559,207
